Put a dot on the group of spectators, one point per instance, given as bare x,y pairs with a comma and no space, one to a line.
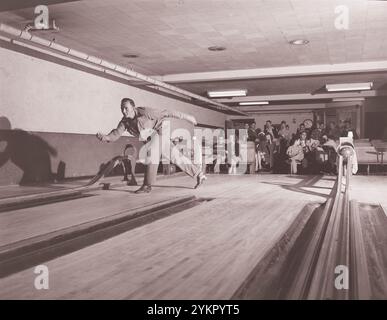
313,148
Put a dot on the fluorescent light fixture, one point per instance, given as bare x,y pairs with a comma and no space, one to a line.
349,87
216,48
299,42
227,93
253,103
347,99
130,55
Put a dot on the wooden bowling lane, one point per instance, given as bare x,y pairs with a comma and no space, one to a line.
370,189
25,223
16,190
202,253
369,195
373,222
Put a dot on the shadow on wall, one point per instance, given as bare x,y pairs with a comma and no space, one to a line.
28,152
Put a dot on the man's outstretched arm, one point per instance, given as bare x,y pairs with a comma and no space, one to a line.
113,135
179,115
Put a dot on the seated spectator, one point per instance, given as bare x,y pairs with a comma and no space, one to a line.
289,134
296,154
310,151
330,147
269,129
282,127
333,131
283,137
330,141
318,132
347,128
251,133
322,127
263,151
283,144
300,130
271,146
341,125
304,142
313,155
284,130
312,144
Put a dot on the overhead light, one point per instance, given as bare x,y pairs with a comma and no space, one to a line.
349,87
347,99
227,93
253,103
130,55
216,48
299,42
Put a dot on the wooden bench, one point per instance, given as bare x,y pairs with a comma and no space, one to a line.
370,153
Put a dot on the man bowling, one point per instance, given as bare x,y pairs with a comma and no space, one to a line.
137,120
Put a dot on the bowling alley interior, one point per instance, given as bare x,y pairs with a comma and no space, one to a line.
193,150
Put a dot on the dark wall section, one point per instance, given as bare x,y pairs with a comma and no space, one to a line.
375,118
37,157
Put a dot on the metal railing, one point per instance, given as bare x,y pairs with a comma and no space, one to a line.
334,263
341,269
